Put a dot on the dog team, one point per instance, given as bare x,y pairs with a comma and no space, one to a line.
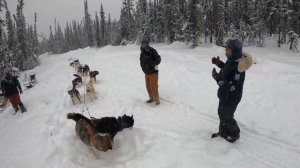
82,71
95,133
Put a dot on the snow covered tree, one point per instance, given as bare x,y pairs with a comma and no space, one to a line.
170,16
21,33
11,34
142,20
3,61
258,26
279,14
68,36
36,40
103,27
220,21
97,30
181,19
88,26
127,27
51,41
294,16
160,22
109,30
192,29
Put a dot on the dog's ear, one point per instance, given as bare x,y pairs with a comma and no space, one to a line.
131,116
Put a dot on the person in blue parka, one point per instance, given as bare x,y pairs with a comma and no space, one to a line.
231,81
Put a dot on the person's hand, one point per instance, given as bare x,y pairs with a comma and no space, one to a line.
215,60
215,74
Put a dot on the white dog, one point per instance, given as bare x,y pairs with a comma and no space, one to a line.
90,90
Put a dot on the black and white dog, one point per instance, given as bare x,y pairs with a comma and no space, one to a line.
83,70
107,125
77,80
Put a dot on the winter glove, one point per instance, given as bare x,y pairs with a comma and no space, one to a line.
215,74
217,61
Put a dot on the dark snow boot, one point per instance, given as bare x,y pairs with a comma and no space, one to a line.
149,101
16,110
23,109
231,139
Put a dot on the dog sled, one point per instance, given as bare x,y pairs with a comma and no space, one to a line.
4,103
73,62
30,80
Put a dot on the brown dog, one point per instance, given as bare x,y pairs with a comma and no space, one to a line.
86,131
90,90
74,94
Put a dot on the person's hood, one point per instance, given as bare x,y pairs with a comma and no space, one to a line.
245,62
235,45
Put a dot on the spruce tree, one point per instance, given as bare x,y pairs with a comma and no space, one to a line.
88,26
127,27
160,22
192,29
3,61
109,30
36,41
103,27
97,30
171,16
11,34
51,41
21,33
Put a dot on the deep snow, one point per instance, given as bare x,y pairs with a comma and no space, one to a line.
175,134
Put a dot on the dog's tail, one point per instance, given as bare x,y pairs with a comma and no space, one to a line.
76,116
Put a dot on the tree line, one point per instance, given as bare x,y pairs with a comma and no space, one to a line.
159,21
190,21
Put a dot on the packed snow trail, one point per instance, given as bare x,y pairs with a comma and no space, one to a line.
174,134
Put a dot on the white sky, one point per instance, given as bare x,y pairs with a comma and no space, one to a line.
63,10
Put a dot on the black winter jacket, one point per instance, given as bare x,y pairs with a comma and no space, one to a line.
148,60
10,86
230,81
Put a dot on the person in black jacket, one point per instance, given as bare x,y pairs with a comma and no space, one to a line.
230,80
11,89
149,60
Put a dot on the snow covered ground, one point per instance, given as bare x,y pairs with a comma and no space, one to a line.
175,134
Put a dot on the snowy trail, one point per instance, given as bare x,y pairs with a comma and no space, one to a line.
174,134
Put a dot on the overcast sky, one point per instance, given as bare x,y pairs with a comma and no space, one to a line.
63,11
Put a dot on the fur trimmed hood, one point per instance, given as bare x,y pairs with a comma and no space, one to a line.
245,62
